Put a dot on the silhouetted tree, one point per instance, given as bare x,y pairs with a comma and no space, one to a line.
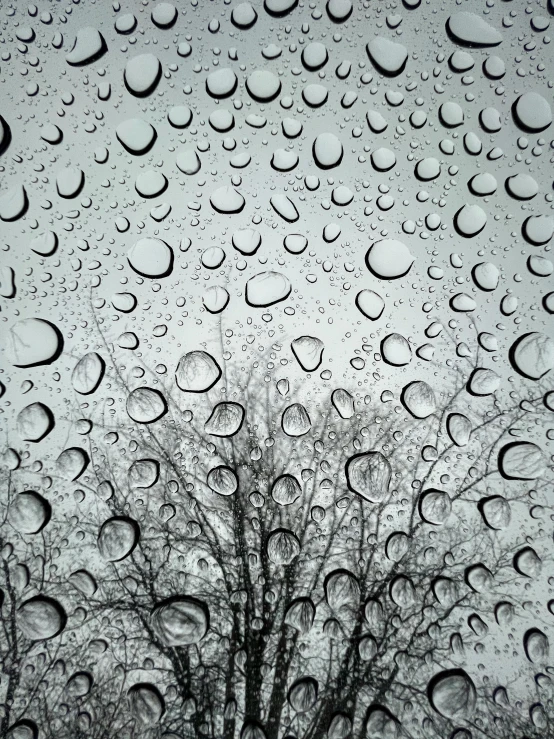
270,563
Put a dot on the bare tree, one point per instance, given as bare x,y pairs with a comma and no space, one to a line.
271,563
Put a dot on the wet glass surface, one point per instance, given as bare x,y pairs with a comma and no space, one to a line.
276,377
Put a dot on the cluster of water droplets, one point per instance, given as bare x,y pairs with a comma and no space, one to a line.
361,192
